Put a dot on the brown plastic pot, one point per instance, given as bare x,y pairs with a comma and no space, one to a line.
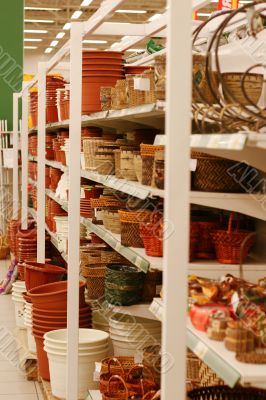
55,312
101,79
46,273
101,54
101,61
43,364
26,297
42,326
53,296
57,319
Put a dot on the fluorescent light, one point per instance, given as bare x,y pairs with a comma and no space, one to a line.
40,21
86,3
32,40
54,43
60,35
199,14
67,26
42,8
76,14
135,50
154,17
95,41
48,50
30,47
131,11
34,31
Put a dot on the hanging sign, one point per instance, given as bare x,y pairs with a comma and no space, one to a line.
228,4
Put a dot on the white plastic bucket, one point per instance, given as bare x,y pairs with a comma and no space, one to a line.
19,313
86,337
86,368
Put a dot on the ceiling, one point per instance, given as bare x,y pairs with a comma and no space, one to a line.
63,10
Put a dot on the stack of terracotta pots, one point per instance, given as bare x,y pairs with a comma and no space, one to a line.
53,209
55,176
49,146
33,145
99,69
33,197
47,177
32,168
34,107
62,101
52,84
49,313
12,231
26,244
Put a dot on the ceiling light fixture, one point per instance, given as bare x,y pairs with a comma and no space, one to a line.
76,14
32,40
48,50
95,41
60,35
35,31
42,9
154,17
30,47
86,3
131,11
67,26
54,43
39,21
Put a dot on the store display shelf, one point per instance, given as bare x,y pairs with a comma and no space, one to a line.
130,187
146,115
215,355
63,203
249,147
137,310
134,255
54,241
33,213
56,164
32,158
245,203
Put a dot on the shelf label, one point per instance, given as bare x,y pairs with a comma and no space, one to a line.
82,193
193,164
142,84
200,350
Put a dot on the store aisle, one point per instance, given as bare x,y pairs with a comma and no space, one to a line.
13,384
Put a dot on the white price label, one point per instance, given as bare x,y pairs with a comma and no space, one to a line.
138,357
160,140
193,164
200,350
82,193
142,84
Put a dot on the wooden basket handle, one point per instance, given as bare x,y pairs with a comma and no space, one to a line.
115,361
143,368
119,378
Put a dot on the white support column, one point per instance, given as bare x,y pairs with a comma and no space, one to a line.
177,197
15,156
41,162
74,208
24,154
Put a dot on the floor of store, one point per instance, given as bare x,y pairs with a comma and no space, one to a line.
13,383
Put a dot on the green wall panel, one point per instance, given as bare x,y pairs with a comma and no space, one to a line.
11,54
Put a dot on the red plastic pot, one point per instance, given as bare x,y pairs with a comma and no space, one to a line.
54,296
43,312
101,54
51,114
26,297
102,62
102,80
47,327
46,273
43,364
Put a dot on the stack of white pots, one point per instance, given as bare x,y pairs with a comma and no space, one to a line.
100,319
28,325
93,347
18,288
131,334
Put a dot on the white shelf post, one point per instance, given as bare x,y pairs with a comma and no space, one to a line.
24,154
41,162
176,247
74,208
15,156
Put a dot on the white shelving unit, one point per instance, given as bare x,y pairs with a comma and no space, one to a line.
176,117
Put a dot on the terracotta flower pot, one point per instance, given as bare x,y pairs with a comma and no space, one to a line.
101,61
135,70
37,274
101,54
26,297
47,327
43,312
54,296
43,364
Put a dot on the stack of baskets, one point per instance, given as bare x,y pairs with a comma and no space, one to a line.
148,153
138,97
152,235
130,226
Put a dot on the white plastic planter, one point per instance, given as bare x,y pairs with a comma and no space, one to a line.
19,313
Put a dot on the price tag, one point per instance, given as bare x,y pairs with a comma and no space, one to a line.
142,84
82,193
193,164
138,357
160,140
200,350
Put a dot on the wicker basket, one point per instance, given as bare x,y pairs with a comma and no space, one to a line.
194,239
96,282
226,393
207,376
212,174
113,221
123,285
117,154
90,147
152,360
233,246
127,165
152,285
233,87
152,235
193,367
158,178
130,227
201,89
135,97
205,245
115,368
119,95
137,160
160,77
111,257
104,163
147,152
